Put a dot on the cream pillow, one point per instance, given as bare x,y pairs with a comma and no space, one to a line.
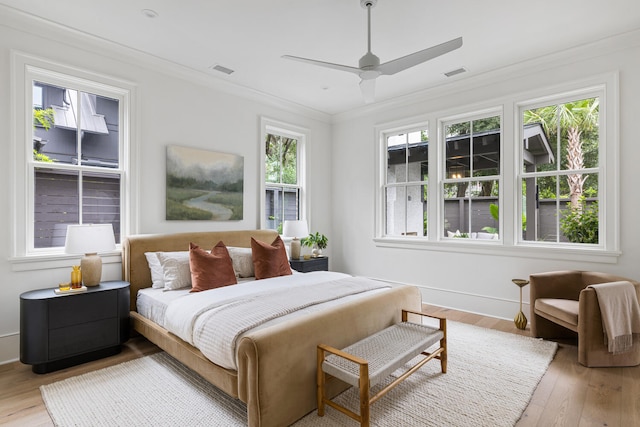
157,279
242,261
175,270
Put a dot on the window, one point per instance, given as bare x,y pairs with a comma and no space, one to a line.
531,175
560,173
75,166
283,175
471,184
406,183
72,154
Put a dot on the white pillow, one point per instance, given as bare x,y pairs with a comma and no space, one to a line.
176,272
242,261
157,276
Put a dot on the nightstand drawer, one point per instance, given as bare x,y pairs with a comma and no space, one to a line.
70,310
82,338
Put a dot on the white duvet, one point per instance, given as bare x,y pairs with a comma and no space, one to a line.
215,320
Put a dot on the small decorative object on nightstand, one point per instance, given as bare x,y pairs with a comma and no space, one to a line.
316,241
520,320
312,264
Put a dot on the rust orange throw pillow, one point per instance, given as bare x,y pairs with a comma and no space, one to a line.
269,260
210,270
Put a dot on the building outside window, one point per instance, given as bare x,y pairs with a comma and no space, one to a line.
406,183
471,178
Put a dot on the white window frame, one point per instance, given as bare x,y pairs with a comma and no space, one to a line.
511,242
442,170
25,70
384,185
301,135
607,185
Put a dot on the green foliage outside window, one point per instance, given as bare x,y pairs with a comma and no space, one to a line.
281,160
580,224
43,117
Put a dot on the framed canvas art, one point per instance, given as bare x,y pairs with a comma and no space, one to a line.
203,185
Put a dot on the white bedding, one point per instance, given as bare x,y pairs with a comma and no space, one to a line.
152,302
186,314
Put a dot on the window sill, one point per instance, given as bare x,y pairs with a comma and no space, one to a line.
498,248
50,260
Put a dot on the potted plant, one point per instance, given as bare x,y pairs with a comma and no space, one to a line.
316,241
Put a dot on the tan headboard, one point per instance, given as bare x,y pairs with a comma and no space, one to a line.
135,269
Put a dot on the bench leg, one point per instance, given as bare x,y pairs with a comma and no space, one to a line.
443,344
364,396
320,382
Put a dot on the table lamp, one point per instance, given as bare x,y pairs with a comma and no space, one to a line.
89,239
295,229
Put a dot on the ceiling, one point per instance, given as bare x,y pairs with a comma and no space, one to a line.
250,37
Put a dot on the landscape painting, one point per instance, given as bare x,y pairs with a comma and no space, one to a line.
203,185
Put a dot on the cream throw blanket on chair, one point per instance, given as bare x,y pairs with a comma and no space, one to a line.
620,314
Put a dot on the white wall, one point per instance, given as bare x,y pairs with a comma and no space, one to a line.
471,281
173,107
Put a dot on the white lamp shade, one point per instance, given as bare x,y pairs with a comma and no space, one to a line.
297,228
89,239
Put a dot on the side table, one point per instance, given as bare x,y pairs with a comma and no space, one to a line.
311,264
58,331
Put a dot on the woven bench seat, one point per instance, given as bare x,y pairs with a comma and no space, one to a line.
372,359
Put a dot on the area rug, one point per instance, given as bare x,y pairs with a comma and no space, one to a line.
490,379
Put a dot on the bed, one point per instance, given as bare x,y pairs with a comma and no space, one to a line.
276,364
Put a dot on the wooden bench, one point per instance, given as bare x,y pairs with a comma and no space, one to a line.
372,359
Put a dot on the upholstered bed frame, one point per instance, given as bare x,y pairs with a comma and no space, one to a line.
277,364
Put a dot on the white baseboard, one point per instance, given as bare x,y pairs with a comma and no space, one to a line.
484,305
9,348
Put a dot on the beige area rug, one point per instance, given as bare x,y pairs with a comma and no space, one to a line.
490,379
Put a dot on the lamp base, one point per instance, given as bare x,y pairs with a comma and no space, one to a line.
295,248
91,267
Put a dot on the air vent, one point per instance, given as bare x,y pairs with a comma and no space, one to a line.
222,69
455,72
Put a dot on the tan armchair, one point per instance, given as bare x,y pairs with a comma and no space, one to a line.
561,307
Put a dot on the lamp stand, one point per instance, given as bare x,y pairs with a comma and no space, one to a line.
91,267
295,248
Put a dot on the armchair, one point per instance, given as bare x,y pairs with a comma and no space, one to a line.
562,306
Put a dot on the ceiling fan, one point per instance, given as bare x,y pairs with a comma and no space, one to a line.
369,67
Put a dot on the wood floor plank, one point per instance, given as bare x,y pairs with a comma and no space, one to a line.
604,397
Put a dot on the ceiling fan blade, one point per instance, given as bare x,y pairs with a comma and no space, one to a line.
400,64
368,90
324,64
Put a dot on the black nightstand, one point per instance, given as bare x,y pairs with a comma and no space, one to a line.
58,331
311,264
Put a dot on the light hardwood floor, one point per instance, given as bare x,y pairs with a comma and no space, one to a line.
568,394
